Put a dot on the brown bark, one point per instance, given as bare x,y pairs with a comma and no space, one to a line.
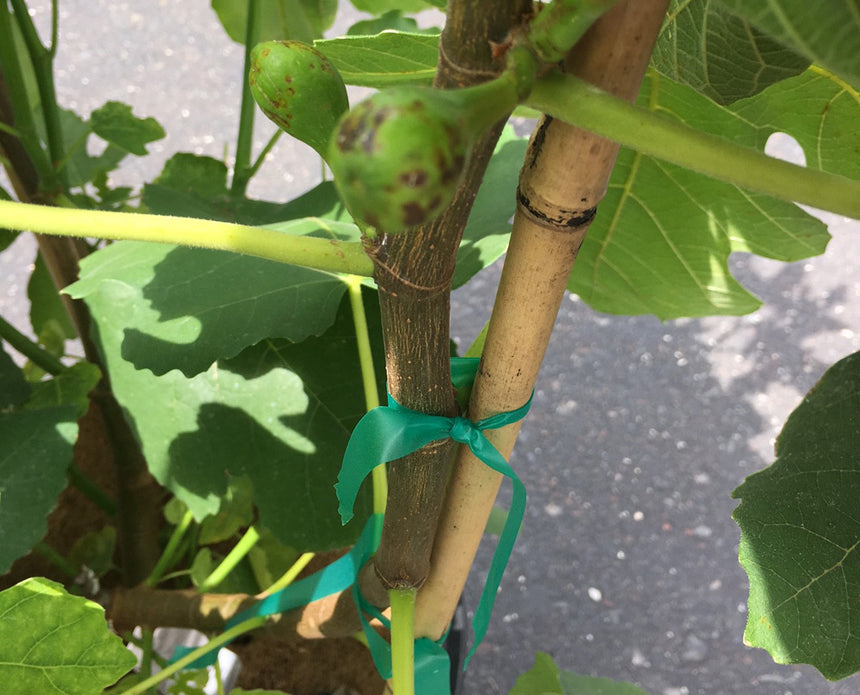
413,272
333,616
564,177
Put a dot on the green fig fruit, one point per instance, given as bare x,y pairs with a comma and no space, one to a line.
299,89
398,157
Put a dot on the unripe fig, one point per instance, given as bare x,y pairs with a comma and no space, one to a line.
299,89
398,157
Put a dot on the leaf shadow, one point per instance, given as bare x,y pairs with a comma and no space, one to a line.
293,489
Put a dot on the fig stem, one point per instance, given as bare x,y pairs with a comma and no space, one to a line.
311,252
574,101
559,26
403,641
242,170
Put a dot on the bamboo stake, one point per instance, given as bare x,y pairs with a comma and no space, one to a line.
564,177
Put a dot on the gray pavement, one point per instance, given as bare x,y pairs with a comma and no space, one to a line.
626,565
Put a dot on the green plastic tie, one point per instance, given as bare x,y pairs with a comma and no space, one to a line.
390,432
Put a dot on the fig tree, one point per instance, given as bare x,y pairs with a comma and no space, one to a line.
299,89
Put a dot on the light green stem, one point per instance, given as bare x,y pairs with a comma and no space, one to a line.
571,100
290,575
403,641
312,252
167,557
262,156
558,26
368,379
228,564
223,638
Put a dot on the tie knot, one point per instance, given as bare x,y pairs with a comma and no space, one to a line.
462,430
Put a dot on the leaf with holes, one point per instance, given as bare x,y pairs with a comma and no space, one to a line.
800,532
662,236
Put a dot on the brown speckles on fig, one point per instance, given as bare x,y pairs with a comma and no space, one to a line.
286,84
408,149
414,178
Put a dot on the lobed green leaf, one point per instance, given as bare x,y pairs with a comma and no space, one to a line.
115,123
800,532
279,413
80,166
719,54
662,236
827,32
189,307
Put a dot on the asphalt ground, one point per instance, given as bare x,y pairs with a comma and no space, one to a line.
626,564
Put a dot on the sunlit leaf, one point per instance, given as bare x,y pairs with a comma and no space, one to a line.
186,308
385,59
54,642
662,236
279,414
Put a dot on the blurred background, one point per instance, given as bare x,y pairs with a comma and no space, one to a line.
626,564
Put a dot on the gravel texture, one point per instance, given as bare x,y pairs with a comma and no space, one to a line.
626,565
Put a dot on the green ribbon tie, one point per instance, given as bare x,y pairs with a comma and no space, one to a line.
390,432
